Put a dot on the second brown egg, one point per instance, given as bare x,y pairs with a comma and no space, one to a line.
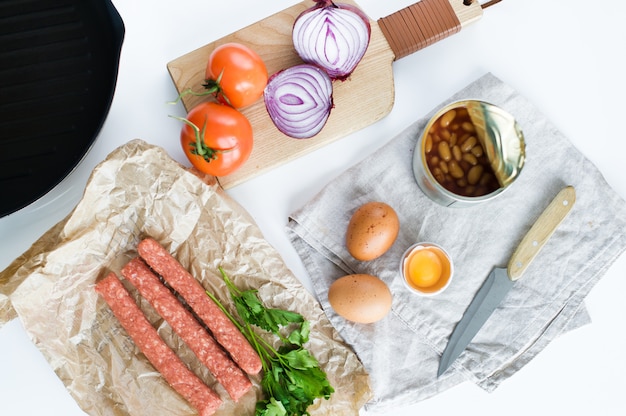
372,230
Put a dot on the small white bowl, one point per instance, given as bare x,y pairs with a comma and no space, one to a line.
424,285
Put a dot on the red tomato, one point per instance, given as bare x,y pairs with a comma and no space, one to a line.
216,138
236,74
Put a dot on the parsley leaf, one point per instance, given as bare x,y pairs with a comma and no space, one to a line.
292,378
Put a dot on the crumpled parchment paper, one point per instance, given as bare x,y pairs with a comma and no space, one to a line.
402,351
139,191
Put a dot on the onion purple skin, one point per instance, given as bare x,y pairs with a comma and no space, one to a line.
299,100
321,41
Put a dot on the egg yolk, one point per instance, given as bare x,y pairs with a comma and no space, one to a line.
424,268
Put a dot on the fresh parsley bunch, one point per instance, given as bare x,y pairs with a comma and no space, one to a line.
292,377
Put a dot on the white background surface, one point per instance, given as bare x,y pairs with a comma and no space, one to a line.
567,57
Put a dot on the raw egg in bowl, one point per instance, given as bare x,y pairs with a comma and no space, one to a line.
426,268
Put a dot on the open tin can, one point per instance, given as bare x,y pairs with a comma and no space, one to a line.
469,152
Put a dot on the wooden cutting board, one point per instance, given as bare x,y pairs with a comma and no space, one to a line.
364,98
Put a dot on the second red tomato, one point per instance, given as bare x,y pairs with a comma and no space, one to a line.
236,74
216,138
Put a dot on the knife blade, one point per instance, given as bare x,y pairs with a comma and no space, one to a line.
501,280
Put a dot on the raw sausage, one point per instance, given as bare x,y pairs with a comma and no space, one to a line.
224,331
188,328
164,360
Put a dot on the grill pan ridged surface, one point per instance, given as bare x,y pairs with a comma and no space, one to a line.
58,70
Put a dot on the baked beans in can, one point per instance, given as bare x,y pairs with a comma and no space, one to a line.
469,152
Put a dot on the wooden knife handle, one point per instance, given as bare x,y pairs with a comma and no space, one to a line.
540,232
426,22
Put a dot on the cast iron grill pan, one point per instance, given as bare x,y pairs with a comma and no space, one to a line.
58,69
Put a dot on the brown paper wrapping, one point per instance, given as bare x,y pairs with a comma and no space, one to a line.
139,191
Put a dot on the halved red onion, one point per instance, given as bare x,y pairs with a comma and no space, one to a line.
333,36
299,99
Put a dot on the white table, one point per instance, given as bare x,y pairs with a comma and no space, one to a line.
567,57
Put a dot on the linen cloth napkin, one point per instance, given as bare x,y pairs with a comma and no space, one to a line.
402,351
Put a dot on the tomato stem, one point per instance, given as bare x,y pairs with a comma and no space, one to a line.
199,146
213,87
186,92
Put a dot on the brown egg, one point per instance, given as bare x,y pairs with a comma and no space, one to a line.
371,231
360,298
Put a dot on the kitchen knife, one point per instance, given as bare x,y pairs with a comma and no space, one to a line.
501,280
